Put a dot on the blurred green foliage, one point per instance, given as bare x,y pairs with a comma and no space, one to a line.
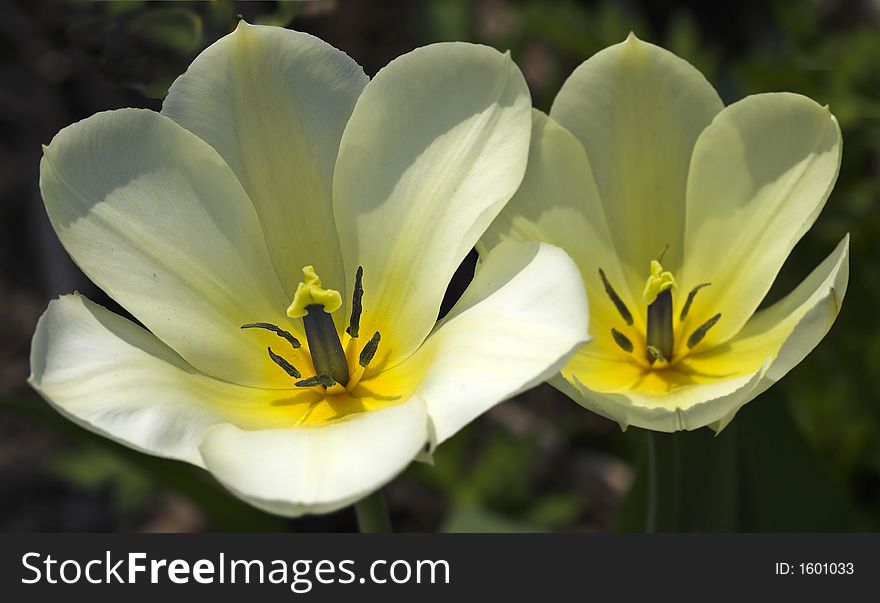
804,456
146,45
96,463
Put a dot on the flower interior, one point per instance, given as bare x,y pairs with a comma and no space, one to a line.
334,367
673,329
664,341
329,365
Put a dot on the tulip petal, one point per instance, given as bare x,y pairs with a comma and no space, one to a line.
686,407
760,175
518,322
558,203
638,110
154,217
273,103
319,469
771,344
112,377
435,147
788,330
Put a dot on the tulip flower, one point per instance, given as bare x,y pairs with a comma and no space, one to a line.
284,232
679,212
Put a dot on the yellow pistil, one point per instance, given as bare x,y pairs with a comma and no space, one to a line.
311,293
658,281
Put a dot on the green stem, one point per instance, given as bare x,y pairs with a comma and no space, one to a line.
651,503
663,508
372,514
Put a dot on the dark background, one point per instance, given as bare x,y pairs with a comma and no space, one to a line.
803,457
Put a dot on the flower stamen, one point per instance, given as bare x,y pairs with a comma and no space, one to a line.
655,355
354,323
622,340
275,329
615,299
369,350
663,253
698,335
288,368
316,380
690,300
335,367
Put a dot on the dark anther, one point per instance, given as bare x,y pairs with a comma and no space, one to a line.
615,299
663,253
288,368
275,329
690,300
656,355
697,336
369,350
622,340
325,380
354,324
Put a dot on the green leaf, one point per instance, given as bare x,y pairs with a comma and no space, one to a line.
757,475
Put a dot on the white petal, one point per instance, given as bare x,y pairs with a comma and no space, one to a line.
558,203
273,103
690,408
638,110
517,324
761,174
318,469
155,217
437,144
112,377
792,327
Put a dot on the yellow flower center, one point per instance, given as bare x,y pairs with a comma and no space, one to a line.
337,369
662,345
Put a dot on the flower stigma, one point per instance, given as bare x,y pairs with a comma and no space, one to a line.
335,370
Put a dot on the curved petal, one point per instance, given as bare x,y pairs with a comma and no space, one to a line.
437,144
558,203
112,377
760,175
687,407
770,345
638,110
273,103
319,469
154,217
788,330
518,322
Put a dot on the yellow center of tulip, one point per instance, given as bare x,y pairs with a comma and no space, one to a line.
660,346
337,369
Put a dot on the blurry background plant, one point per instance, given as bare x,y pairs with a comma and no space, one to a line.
804,456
